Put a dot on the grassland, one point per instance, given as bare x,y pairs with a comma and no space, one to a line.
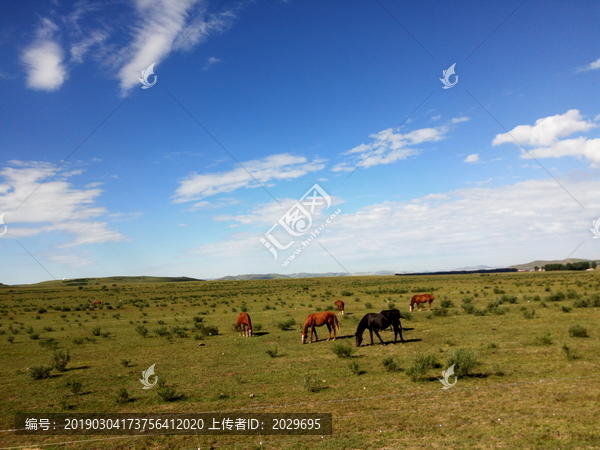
536,385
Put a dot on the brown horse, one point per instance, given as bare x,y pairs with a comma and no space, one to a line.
244,324
97,302
319,319
340,306
418,299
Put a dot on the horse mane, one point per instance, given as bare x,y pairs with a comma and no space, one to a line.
362,325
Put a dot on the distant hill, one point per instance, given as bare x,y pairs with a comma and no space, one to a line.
541,263
480,267
272,276
110,281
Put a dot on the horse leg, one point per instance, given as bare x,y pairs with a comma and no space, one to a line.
316,335
329,331
430,301
377,333
371,333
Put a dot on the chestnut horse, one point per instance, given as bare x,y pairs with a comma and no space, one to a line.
319,319
340,306
97,302
244,324
418,299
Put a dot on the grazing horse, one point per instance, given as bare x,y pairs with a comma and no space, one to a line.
418,299
305,289
244,324
375,322
393,315
97,302
319,319
340,306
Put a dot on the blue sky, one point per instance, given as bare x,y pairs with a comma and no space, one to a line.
256,102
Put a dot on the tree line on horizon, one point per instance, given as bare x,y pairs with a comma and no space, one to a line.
581,265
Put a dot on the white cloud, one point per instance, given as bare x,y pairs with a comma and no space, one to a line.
79,49
274,167
591,66
460,119
210,62
472,158
496,226
162,27
439,116
55,206
389,146
43,60
546,133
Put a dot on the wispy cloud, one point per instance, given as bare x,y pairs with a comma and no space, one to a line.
591,66
43,59
275,167
389,146
472,158
210,62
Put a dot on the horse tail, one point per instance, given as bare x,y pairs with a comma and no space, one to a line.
337,323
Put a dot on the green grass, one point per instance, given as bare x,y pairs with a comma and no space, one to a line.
209,367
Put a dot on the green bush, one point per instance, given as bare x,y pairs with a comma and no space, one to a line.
162,331
347,293
440,312
420,365
49,343
39,372
167,393
272,353
286,325
390,364
569,352
96,331
578,331
312,384
566,308
125,362
123,396
60,359
529,313
74,386
465,361
142,330
368,305
556,297
446,304
354,368
343,350
543,339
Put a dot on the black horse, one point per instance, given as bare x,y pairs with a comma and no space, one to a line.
375,322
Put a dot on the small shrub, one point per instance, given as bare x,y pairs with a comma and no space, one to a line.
272,353
96,331
123,396
465,361
492,345
78,340
406,315
390,364
578,331
446,304
142,330
167,393
161,322
566,308
440,312
125,362
391,305
543,339
570,353
105,334
354,368
49,343
347,293
496,370
343,350
60,359
48,329
257,327
556,297
197,319
529,313
162,331
286,325
581,303
312,384
39,372
34,336
74,386
368,305
420,365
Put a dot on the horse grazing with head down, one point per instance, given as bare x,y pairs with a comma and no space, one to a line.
375,322
340,306
319,319
244,324
418,299
97,302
